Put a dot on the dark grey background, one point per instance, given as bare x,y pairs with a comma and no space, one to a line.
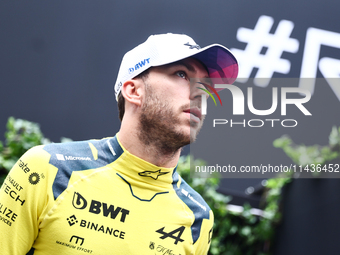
59,61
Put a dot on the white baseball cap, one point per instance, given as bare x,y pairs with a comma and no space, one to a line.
164,49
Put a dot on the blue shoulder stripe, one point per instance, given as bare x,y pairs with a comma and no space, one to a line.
195,202
77,156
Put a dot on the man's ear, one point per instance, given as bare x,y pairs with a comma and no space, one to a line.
132,91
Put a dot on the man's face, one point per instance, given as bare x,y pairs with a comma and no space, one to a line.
170,114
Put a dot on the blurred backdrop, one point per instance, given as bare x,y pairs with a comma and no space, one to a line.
59,61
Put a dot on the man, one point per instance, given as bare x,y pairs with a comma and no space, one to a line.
122,195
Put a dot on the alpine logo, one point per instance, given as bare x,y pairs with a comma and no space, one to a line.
63,158
192,46
179,231
139,65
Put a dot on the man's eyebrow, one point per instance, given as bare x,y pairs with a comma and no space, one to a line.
186,65
182,63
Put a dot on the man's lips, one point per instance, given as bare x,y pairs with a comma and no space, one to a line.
195,114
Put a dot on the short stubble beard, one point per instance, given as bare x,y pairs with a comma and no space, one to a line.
158,123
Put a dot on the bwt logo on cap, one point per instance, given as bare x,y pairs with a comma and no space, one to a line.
139,65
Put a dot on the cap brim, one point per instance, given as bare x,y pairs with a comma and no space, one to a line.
220,62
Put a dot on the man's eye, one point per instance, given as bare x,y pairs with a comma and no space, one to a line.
181,74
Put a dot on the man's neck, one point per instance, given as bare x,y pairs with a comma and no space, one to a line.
151,152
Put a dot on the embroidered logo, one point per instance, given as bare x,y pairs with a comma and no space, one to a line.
152,174
192,46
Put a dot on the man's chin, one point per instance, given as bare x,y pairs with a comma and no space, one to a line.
194,130
193,135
